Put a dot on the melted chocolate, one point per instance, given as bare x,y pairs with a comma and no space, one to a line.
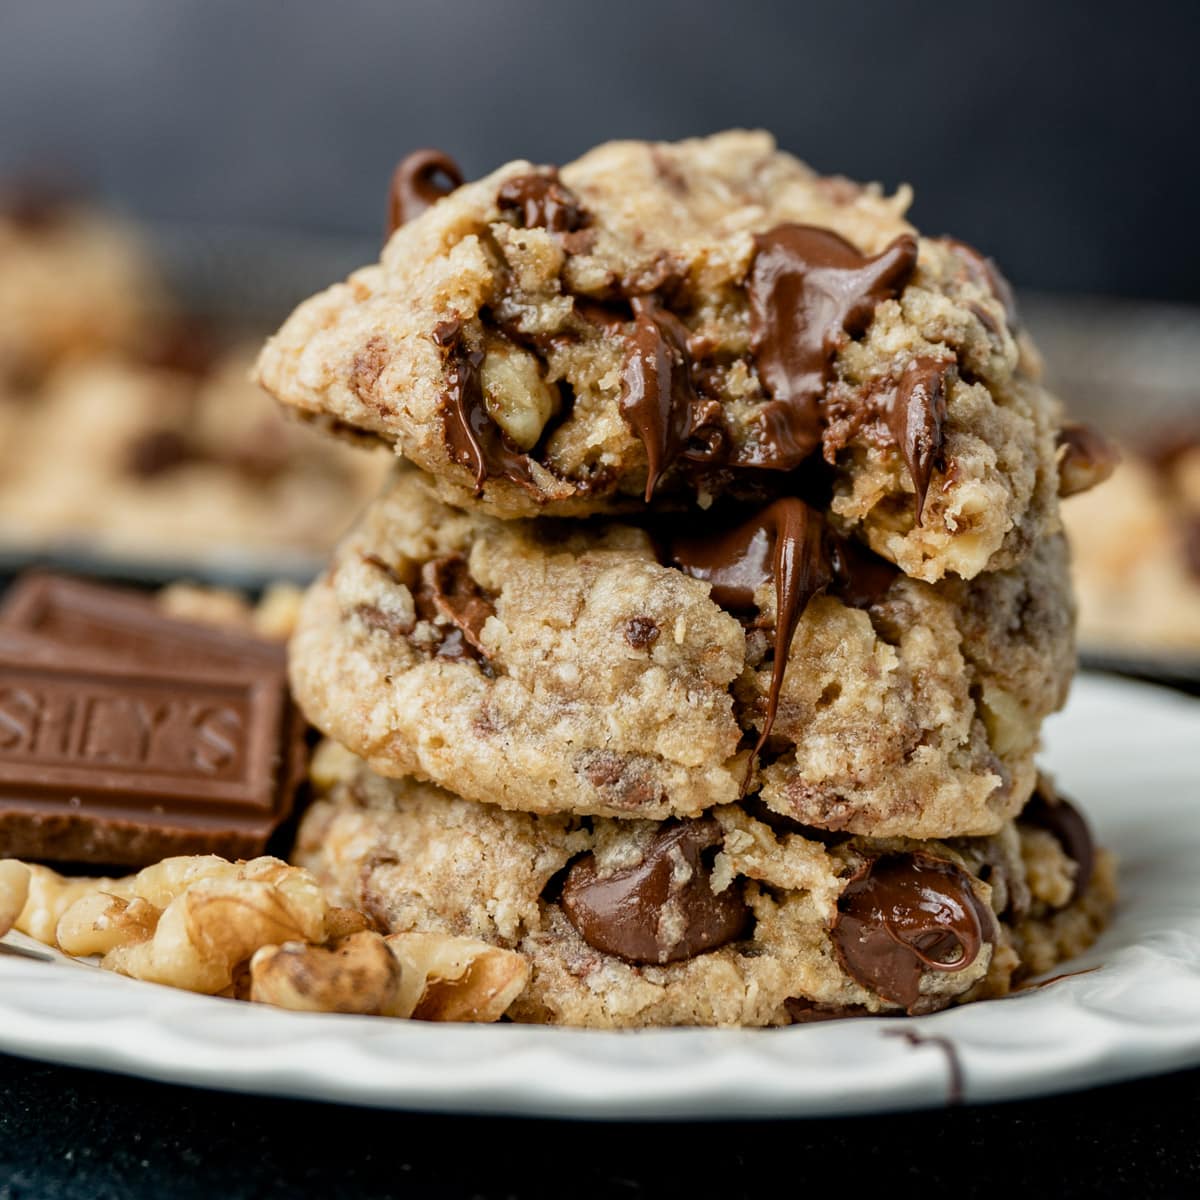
915,412
809,289
1087,458
661,910
904,914
984,270
784,545
471,437
418,183
860,576
1062,819
657,393
447,590
542,201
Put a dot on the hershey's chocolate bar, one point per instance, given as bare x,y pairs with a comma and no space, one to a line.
104,620
130,736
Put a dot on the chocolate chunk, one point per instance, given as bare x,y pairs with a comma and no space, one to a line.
471,437
447,590
784,545
657,394
1086,458
809,289
542,201
641,632
983,270
418,183
106,763
661,910
914,412
1059,817
901,915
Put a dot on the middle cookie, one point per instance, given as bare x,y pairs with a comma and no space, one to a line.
613,670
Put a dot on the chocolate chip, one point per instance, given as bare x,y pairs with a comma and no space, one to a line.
542,201
419,182
1059,817
803,1012
902,915
641,632
661,910
657,393
1086,458
809,289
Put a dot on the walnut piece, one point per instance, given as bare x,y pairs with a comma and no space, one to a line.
14,890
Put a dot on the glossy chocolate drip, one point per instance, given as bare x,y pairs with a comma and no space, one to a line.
447,590
1066,823
1086,458
904,914
983,270
661,910
915,413
809,289
416,187
783,545
542,201
471,437
657,393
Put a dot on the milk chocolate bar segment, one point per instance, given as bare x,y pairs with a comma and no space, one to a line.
122,622
106,762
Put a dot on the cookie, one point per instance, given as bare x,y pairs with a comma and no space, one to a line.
1137,552
671,322
737,918
72,282
628,671
156,461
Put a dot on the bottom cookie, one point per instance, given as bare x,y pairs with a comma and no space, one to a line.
737,918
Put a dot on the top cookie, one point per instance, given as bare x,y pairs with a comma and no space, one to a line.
667,322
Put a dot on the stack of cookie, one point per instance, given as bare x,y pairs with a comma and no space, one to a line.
700,648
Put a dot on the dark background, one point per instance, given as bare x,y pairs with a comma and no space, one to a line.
1061,137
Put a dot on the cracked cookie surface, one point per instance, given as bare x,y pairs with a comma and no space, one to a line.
560,667
674,321
411,856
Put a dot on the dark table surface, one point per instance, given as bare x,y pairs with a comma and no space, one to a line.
80,1135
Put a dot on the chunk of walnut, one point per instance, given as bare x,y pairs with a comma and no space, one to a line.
262,931
355,974
456,978
516,396
14,890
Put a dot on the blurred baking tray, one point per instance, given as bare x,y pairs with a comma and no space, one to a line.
1179,669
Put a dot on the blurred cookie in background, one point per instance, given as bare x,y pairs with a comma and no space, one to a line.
130,429
1137,552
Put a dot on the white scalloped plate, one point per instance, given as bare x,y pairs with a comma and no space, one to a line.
1130,753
